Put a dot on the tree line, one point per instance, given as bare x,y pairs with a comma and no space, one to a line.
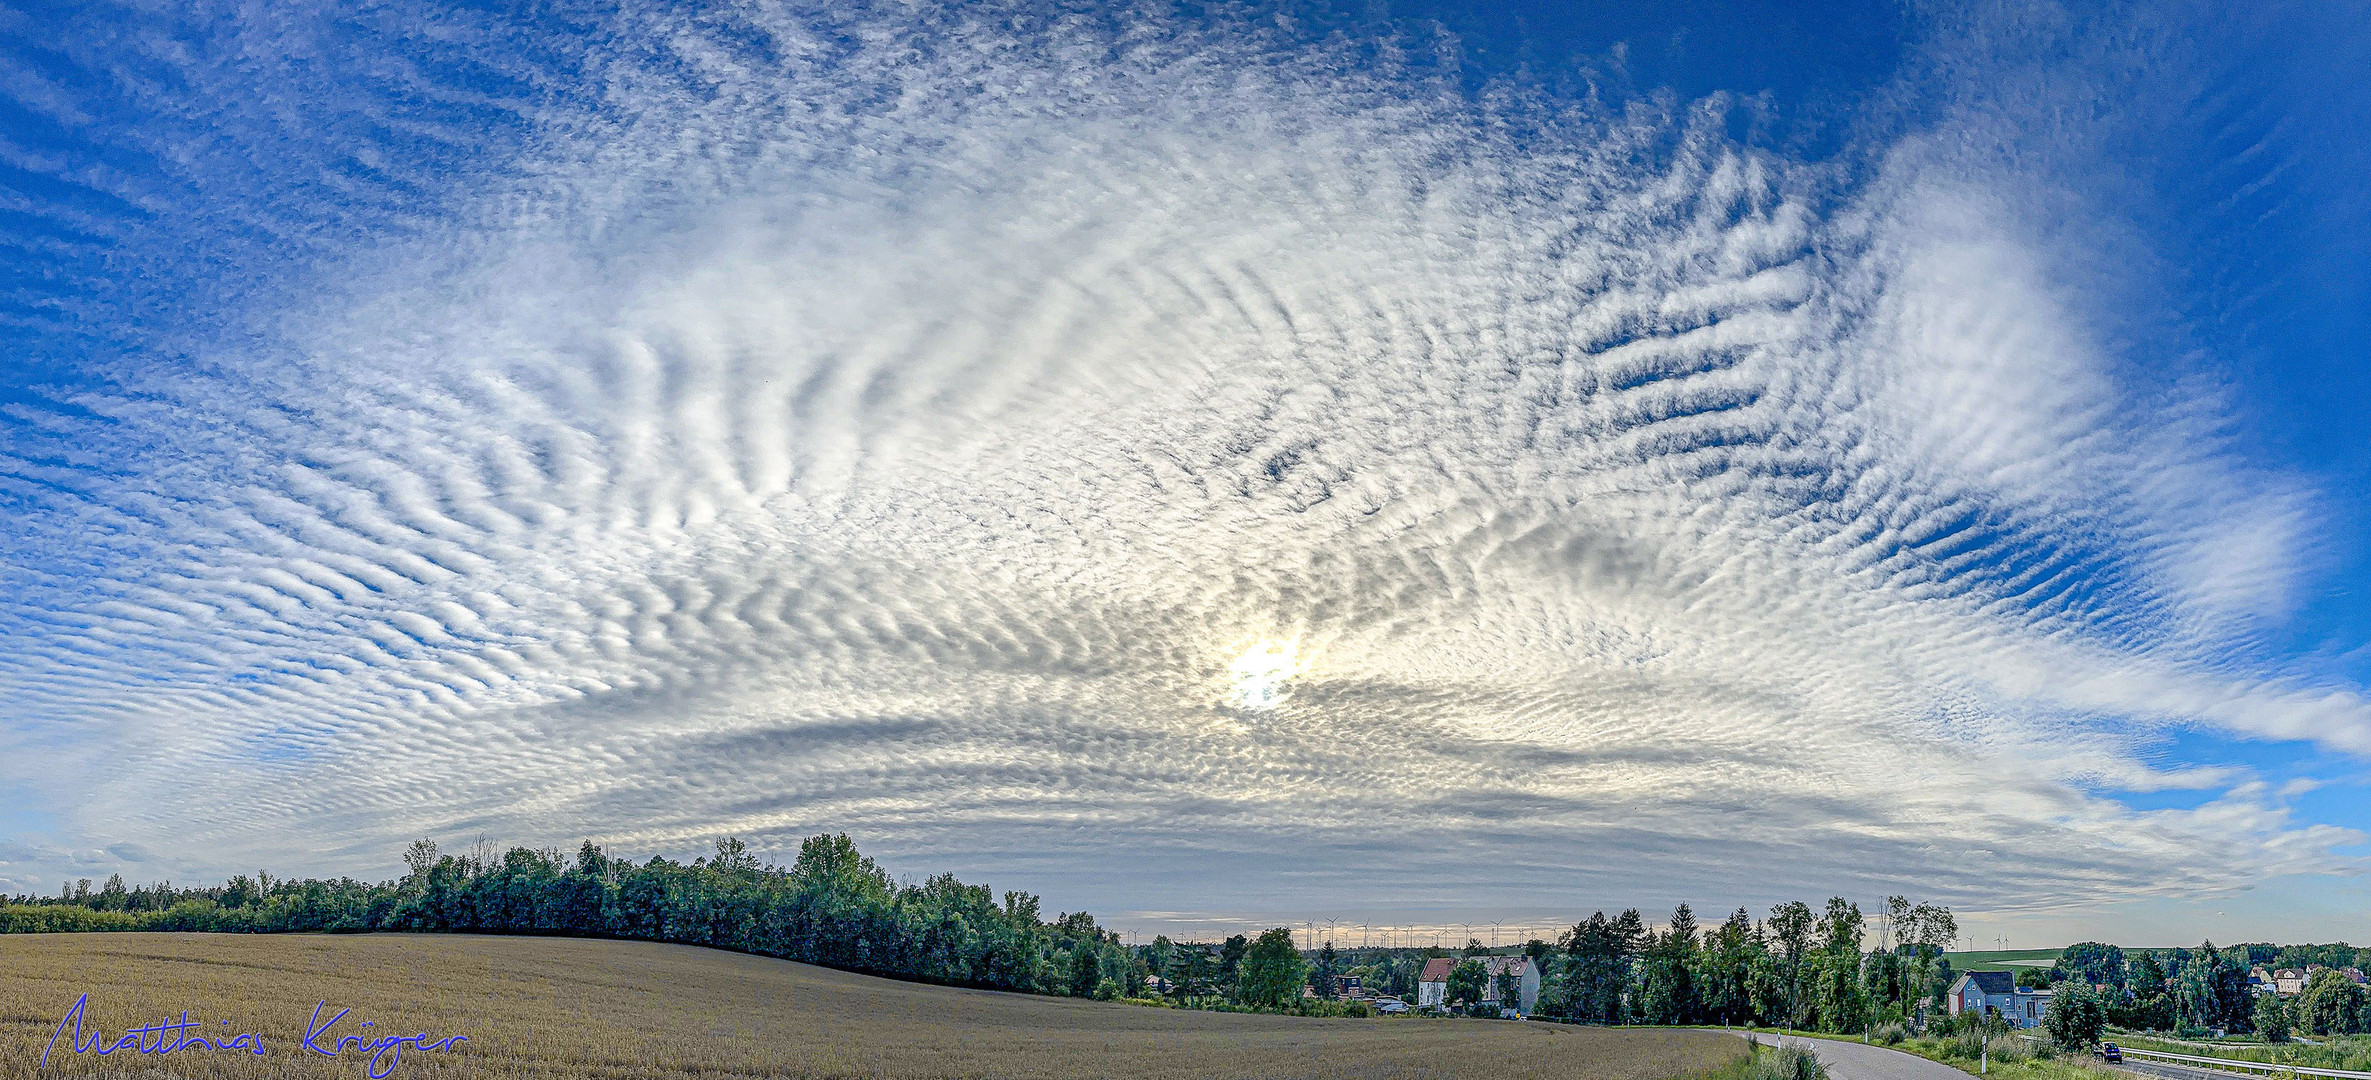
1798,967
831,906
2192,991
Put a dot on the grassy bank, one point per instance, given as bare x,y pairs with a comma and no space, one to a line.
2349,1052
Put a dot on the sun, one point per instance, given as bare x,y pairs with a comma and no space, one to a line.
1264,673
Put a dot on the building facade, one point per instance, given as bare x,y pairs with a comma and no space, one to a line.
1995,993
1432,987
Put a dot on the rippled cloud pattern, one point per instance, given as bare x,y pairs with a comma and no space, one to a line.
1246,459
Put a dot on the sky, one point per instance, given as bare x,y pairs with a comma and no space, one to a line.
1420,465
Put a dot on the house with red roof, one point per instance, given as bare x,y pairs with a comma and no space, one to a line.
1432,987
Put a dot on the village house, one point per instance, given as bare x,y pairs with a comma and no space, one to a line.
1995,993
2291,981
1432,987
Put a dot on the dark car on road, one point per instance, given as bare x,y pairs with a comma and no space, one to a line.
2111,1052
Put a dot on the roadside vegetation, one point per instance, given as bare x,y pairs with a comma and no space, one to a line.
1772,1063
2007,1057
2350,1052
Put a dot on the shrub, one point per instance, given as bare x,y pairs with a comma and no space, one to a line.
1967,1042
1787,1063
2076,1016
62,918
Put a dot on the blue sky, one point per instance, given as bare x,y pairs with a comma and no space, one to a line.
1426,464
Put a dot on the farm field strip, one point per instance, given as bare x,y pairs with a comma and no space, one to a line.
536,1007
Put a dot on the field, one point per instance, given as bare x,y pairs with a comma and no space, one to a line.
535,1007
2002,960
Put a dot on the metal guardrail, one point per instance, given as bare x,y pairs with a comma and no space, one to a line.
2231,1063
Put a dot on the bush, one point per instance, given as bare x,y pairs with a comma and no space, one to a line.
62,918
1772,1063
1888,1034
1787,1063
1967,1042
2076,1016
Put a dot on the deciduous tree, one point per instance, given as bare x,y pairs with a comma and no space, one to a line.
1273,971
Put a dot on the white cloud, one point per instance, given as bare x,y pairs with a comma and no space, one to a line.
904,429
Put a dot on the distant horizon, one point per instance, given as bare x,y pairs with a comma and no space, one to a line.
1139,927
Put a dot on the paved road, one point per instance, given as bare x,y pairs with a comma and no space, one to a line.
2167,1070
1854,1061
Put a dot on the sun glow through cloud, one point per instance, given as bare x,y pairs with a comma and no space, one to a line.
1263,674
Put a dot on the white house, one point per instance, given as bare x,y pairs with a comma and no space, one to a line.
1995,993
1432,987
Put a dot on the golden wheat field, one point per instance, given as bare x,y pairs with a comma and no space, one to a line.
553,1007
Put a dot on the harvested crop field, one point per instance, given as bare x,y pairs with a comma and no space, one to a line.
578,1008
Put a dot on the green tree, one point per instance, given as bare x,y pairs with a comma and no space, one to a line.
831,863
1727,964
1273,971
1667,993
1467,983
1326,975
2331,1005
2093,962
418,858
2146,975
1789,928
1086,970
2272,1018
1596,968
2211,990
1230,960
1839,996
1195,971
1160,955
2075,1016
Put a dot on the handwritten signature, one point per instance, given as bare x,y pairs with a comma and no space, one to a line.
170,1036
389,1047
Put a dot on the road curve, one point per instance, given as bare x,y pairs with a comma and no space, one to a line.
1856,1061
